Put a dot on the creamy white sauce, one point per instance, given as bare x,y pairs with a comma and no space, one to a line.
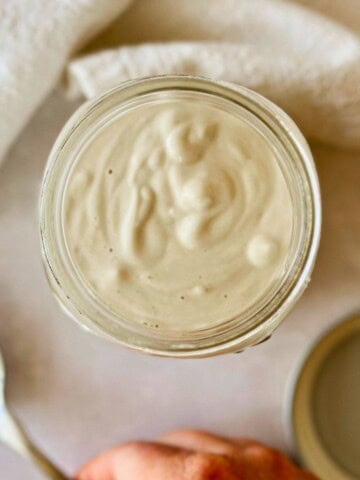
178,216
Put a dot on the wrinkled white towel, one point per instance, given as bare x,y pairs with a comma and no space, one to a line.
305,60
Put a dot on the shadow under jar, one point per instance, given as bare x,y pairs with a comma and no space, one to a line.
180,216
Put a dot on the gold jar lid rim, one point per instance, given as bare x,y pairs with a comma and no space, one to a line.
305,433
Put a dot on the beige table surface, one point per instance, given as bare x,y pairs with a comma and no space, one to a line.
78,394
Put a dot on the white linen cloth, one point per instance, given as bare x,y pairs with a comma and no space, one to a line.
306,61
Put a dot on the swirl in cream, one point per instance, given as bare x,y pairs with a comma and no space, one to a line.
177,215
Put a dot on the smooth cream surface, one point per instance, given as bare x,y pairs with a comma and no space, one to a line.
177,215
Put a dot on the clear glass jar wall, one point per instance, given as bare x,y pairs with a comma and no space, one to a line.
252,325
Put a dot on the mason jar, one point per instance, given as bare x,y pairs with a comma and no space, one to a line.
249,327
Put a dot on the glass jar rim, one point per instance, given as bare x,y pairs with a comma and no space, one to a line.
82,304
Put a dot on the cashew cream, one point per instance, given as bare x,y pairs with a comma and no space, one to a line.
177,215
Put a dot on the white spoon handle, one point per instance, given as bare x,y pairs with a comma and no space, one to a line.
15,437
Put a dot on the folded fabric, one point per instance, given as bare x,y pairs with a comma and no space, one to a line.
306,62
36,39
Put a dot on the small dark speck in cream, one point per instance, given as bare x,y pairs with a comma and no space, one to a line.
182,297
110,250
225,296
110,171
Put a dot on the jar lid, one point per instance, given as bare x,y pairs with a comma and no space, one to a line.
325,404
